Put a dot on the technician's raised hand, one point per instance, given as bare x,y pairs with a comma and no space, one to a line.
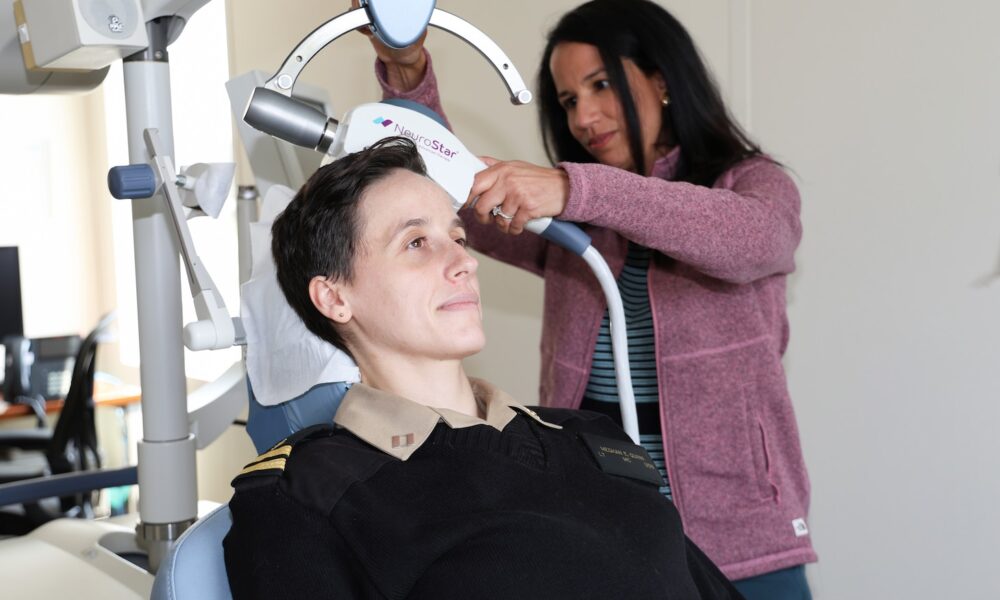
511,193
404,67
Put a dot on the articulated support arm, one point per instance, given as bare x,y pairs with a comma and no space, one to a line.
215,329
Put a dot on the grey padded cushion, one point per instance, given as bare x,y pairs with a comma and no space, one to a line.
195,567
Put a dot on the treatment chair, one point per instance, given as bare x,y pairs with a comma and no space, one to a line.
268,425
195,568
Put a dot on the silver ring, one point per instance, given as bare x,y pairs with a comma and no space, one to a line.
497,212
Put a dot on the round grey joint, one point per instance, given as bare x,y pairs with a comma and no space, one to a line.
328,136
162,532
247,192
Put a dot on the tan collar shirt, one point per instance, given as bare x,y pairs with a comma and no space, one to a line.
398,426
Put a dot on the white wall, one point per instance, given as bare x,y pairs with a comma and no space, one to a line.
887,114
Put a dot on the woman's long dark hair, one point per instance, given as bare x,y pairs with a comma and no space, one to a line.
696,119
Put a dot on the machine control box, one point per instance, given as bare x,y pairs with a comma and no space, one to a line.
84,35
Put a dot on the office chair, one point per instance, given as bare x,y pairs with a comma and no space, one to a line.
70,446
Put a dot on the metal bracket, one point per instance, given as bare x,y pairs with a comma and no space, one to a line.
215,329
284,79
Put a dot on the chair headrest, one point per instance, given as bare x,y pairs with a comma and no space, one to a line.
284,359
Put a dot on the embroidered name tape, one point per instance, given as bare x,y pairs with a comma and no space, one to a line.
618,457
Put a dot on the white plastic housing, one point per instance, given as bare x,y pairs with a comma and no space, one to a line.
80,34
449,162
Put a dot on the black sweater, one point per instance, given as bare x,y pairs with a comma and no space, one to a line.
474,513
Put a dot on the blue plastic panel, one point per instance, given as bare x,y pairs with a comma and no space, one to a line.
399,23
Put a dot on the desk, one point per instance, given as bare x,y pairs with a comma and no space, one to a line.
104,395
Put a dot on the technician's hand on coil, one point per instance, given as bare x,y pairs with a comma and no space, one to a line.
409,57
511,193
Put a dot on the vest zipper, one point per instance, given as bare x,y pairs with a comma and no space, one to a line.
661,389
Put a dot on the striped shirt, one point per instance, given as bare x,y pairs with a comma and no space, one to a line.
601,394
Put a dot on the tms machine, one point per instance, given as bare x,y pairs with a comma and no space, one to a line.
55,46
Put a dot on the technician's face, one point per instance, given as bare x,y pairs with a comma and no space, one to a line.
594,112
415,290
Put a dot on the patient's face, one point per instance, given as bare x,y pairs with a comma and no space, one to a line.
415,290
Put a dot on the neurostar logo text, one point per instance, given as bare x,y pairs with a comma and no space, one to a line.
382,122
426,143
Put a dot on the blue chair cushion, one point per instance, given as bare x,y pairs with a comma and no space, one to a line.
268,425
195,568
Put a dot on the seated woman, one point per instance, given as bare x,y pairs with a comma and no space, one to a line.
430,484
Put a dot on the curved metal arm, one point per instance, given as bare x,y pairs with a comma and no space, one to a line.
519,93
284,79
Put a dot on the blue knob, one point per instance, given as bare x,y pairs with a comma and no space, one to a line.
132,181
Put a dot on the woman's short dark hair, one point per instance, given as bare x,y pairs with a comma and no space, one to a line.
696,118
319,233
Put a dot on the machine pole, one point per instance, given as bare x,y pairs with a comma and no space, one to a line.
167,471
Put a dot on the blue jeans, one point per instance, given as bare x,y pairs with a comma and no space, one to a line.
786,584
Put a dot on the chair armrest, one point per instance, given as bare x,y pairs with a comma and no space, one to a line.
25,439
66,484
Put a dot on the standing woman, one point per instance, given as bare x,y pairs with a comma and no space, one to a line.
700,228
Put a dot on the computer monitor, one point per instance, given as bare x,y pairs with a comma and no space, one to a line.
11,315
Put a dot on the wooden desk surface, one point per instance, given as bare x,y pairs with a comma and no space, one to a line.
104,395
